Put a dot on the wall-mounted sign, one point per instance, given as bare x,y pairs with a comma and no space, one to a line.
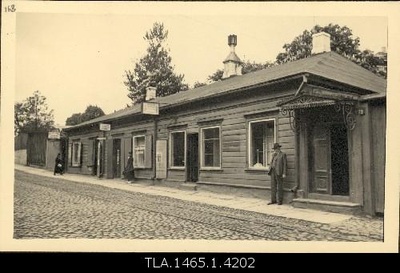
54,135
150,108
105,127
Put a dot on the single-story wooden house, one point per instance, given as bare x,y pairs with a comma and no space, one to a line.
328,113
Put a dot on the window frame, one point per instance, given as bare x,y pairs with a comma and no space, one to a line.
249,143
134,151
202,146
170,159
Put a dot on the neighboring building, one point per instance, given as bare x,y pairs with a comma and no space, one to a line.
328,114
39,148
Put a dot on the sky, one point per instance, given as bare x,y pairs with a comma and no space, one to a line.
79,59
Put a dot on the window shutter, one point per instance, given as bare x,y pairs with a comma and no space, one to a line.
69,153
148,152
80,150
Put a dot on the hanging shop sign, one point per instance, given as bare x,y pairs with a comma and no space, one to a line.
150,108
105,127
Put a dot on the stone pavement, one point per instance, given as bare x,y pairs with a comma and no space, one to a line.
230,201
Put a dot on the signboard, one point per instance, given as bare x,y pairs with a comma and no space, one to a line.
105,127
54,135
150,108
161,159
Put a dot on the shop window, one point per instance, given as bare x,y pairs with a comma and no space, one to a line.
177,149
261,141
211,147
139,151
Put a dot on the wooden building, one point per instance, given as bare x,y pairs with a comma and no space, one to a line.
328,113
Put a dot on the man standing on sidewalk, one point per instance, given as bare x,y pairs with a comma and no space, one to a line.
277,172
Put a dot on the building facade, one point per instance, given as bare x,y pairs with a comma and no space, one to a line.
328,114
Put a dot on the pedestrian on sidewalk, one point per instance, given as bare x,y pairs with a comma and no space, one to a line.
58,167
277,171
129,171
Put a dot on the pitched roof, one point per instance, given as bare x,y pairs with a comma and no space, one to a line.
329,65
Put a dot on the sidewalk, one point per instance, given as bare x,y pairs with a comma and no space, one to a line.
235,202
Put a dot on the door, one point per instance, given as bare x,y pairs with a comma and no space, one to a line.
94,156
161,159
339,159
192,156
116,159
321,155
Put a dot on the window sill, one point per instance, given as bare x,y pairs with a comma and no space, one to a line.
257,170
176,168
211,169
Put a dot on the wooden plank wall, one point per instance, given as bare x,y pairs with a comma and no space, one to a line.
378,118
234,114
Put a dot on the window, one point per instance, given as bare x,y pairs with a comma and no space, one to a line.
177,149
139,148
261,141
76,153
211,148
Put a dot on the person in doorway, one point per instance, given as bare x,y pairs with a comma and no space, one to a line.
58,167
277,172
129,172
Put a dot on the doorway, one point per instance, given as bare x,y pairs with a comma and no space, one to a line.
339,159
192,167
116,158
330,159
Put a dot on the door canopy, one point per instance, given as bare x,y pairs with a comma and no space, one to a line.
313,97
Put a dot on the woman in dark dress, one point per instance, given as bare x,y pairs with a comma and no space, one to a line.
129,172
58,168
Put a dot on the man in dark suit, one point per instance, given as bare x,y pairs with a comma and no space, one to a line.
277,172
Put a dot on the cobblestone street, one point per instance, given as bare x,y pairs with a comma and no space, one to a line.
52,207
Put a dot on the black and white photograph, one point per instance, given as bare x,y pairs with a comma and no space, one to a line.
199,127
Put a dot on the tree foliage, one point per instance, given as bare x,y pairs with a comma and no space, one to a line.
154,69
33,114
91,112
342,42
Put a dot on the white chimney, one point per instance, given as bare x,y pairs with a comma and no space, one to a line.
321,42
232,63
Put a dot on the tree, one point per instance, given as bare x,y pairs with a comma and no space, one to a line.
91,112
33,114
154,69
342,42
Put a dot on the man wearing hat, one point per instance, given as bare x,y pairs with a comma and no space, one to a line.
277,172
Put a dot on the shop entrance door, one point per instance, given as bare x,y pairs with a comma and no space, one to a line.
117,158
330,159
192,157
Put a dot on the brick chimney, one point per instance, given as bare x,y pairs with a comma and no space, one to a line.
232,63
321,42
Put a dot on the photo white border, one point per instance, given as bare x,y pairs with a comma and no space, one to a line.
391,10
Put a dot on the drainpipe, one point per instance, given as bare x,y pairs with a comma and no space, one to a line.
154,159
